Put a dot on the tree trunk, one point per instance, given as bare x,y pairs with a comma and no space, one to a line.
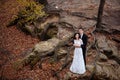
44,2
100,13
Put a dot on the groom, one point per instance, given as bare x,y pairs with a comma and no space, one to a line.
84,38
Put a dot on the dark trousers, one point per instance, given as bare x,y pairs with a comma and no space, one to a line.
84,54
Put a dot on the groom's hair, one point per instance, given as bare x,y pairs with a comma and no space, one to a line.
81,28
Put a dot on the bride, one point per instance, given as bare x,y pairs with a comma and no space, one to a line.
78,65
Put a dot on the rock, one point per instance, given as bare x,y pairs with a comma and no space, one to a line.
67,16
109,59
30,29
112,62
61,51
113,48
73,20
90,53
79,5
65,33
107,71
73,76
78,22
90,68
111,20
88,23
67,76
103,57
70,75
46,46
52,78
115,51
108,47
111,17
17,65
89,9
60,30
102,43
40,50
50,19
116,37
25,79
51,32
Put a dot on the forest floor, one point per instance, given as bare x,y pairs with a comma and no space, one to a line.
14,43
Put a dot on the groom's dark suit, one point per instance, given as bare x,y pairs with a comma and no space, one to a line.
85,40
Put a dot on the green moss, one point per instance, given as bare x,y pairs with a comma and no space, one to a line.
17,65
52,32
52,60
31,60
34,60
37,31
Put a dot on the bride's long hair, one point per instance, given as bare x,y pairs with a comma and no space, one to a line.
76,34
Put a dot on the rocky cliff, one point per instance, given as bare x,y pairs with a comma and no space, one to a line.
56,31
105,64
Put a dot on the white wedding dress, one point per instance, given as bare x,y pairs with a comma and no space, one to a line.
78,65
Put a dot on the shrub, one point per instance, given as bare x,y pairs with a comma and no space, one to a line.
30,13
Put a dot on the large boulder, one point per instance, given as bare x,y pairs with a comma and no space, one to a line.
78,22
49,47
65,32
46,46
74,6
30,29
103,57
114,48
107,71
111,21
61,51
108,47
73,20
90,68
102,43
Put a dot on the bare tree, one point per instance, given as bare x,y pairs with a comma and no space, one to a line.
100,13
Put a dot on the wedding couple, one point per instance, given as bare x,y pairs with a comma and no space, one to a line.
79,60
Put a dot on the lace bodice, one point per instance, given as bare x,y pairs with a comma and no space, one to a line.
78,42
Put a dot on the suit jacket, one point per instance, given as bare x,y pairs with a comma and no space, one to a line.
85,40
